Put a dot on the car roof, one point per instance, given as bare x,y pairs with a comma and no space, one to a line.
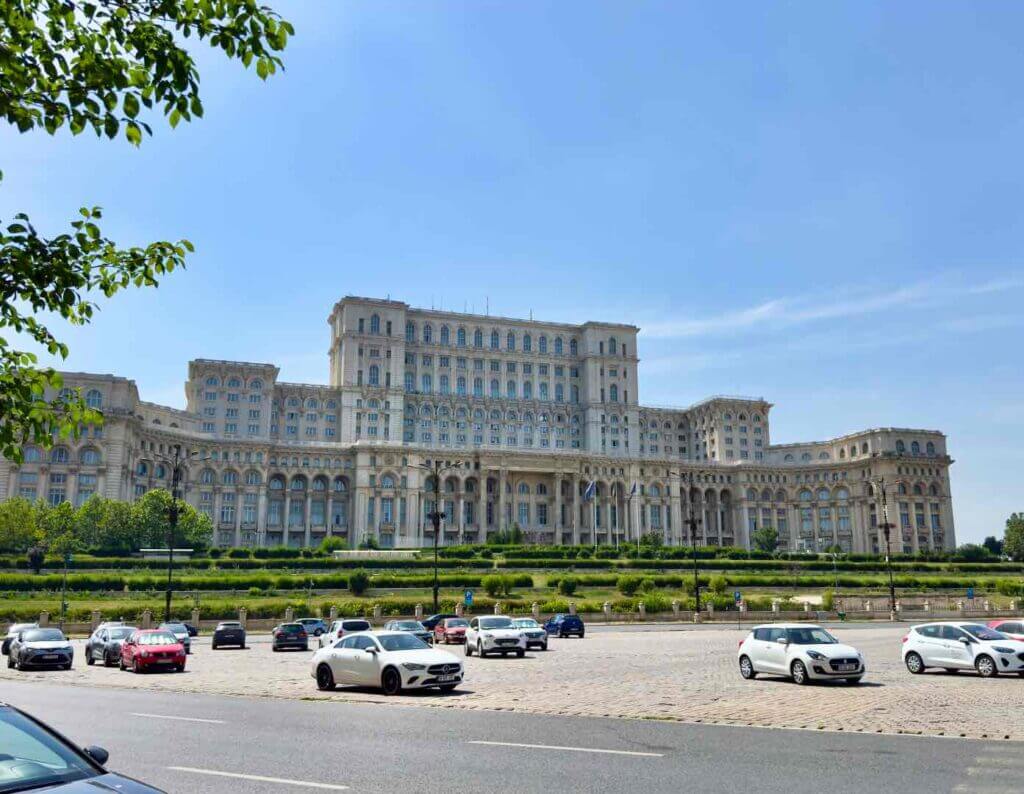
787,626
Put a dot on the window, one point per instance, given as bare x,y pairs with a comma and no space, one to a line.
510,341
90,456
573,347
527,343
60,455
426,383
460,337
374,374
446,335
428,334
374,324
93,398
510,389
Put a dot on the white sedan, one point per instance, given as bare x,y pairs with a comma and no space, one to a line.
800,651
494,634
391,660
962,646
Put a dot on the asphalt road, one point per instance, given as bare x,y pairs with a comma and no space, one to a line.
205,743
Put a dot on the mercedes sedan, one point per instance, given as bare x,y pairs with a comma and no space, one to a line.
388,660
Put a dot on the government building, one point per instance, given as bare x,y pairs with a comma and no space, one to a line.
535,424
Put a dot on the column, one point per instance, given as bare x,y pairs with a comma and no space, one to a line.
306,538
557,519
287,517
261,518
608,518
238,519
481,509
329,518
72,486
677,513
460,512
501,500
413,514
217,501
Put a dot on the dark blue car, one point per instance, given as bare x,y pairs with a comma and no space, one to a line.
565,626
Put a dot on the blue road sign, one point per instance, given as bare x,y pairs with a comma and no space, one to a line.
970,593
469,598
737,596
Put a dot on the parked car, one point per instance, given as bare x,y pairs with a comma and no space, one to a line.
289,635
391,660
12,631
340,628
44,647
37,757
431,622
451,630
536,636
565,626
152,649
104,644
314,626
954,645
228,632
494,634
193,631
413,627
799,651
1011,627
180,633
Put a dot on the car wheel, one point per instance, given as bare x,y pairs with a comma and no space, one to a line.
520,653
799,672
581,635
324,678
747,668
89,658
561,635
915,663
274,648
120,663
179,668
480,649
213,646
469,649
391,681
107,661
135,667
544,647
986,666
66,666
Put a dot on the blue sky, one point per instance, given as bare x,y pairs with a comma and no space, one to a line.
815,203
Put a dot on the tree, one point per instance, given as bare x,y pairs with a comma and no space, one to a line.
59,529
652,539
994,546
18,528
972,552
1013,540
97,65
765,539
151,519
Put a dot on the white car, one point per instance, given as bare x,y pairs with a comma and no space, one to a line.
962,646
536,635
391,660
494,634
800,651
342,628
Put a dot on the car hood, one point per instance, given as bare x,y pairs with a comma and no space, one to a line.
175,647
503,633
1017,645
107,782
426,656
50,645
831,650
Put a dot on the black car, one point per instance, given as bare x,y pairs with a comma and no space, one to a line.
40,648
290,635
193,631
431,623
64,768
565,626
104,645
228,632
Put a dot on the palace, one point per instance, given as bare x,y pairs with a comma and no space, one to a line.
537,424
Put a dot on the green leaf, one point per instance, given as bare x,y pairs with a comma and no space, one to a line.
174,118
133,133
131,105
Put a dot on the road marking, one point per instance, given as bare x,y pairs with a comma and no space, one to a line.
1000,761
169,717
571,749
260,778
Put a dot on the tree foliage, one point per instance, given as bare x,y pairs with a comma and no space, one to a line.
994,545
1013,541
99,65
765,539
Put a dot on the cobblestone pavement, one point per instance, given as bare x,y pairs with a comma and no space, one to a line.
688,676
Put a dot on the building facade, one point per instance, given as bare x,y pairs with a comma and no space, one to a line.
539,424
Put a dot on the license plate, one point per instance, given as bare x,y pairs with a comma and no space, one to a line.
847,668
50,656
447,678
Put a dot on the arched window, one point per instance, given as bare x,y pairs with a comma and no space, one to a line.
542,489
918,489
842,453
495,388
510,389
142,469
60,455
374,375
460,337
428,334
374,324
229,477
478,338
90,456
340,485
311,403
915,448
542,344
900,446
930,448
805,457
842,494
212,381
510,341
410,332
234,383
253,478
558,345
93,398
524,489
161,471
527,343
613,393
575,394
256,384
298,484
902,489
655,491
823,456
864,448
573,347
823,494
320,484
206,477
788,458
612,346
527,390
805,495
446,335
478,387
276,483
933,489
495,340
387,482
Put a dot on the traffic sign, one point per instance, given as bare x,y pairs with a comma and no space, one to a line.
737,596
469,598
970,593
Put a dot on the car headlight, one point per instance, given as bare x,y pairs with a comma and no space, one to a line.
487,636
818,657
999,649
410,666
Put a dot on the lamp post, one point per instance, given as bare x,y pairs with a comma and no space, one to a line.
886,526
177,464
435,516
692,521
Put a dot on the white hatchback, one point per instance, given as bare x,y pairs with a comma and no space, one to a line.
799,651
955,645
391,660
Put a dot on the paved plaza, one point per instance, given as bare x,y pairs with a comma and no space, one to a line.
662,673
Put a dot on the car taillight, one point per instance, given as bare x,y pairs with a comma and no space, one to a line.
741,642
906,637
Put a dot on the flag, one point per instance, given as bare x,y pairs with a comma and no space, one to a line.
632,491
591,491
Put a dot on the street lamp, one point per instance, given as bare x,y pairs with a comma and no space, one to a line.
177,463
436,469
886,526
691,521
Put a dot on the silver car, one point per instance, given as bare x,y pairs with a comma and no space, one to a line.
13,631
180,632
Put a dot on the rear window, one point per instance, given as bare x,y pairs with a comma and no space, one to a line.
292,628
355,625
454,623
43,635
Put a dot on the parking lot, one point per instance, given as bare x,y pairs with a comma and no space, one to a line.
668,673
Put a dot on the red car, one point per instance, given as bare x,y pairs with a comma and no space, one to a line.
152,649
1011,627
450,630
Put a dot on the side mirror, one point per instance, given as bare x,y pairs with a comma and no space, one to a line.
97,754
782,641
965,640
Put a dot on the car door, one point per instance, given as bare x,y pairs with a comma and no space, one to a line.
956,652
774,652
929,645
98,648
365,665
754,648
471,631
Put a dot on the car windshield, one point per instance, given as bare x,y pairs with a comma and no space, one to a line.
43,635
292,628
121,633
32,758
456,623
810,636
496,623
229,626
527,623
983,632
14,629
355,625
175,628
408,625
401,642
157,638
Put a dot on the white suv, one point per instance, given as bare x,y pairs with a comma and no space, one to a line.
494,634
800,651
962,646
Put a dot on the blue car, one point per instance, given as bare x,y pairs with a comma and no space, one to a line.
565,626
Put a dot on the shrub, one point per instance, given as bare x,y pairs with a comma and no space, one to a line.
584,554
828,600
358,582
718,584
497,585
333,543
567,585
628,585
214,553
647,584
239,554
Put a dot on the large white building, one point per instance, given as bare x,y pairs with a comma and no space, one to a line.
532,412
